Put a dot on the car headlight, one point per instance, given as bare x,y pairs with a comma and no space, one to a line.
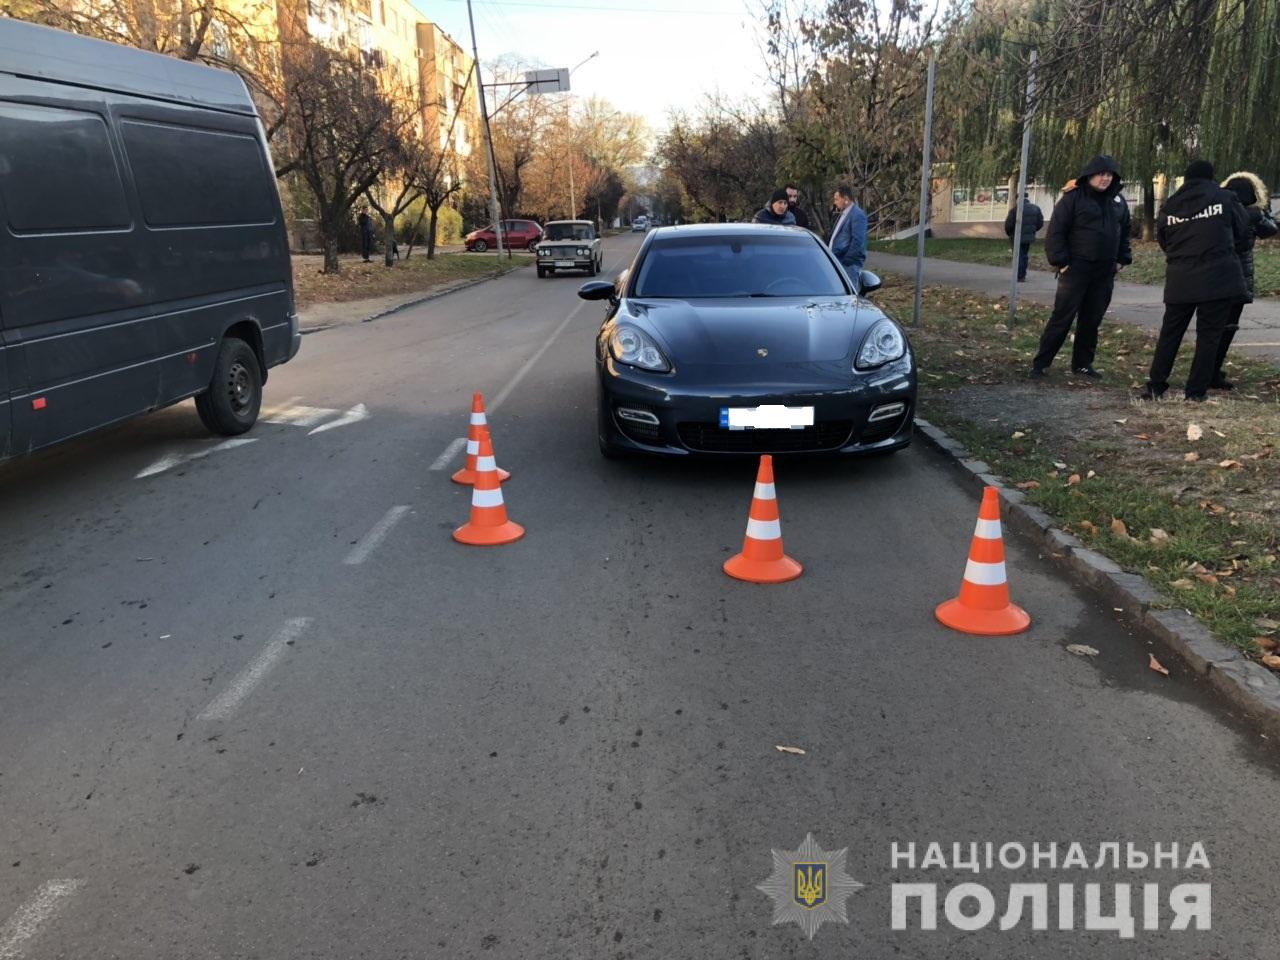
884,342
632,345
582,252
544,253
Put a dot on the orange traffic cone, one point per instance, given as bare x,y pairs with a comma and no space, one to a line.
467,474
762,559
488,526
983,607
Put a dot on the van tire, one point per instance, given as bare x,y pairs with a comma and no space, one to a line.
230,406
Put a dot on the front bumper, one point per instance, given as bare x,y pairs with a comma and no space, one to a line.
864,414
554,260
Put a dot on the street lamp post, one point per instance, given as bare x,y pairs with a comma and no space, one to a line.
495,208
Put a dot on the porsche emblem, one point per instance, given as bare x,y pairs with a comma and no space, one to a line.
762,352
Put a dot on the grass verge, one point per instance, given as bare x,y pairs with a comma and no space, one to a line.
1147,267
1198,517
359,280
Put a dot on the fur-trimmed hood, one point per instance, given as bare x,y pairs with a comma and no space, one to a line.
1263,201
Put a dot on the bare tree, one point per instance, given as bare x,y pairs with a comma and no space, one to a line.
344,132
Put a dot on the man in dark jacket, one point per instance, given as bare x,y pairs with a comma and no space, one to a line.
776,211
1032,221
1088,241
793,204
1253,196
365,222
1202,229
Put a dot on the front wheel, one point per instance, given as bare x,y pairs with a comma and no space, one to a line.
230,406
480,246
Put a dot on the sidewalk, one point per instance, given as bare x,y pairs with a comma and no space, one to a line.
322,316
1134,303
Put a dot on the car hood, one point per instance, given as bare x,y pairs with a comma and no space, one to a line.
734,331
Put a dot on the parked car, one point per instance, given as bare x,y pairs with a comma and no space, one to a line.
570,245
143,255
640,224
516,235
747,339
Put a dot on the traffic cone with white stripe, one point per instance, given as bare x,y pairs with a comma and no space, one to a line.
983,607
467,474
762,559
488,526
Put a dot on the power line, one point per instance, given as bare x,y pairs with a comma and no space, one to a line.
536,4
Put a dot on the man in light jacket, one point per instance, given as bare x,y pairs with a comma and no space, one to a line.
849,236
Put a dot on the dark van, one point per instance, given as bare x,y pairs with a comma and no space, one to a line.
143,256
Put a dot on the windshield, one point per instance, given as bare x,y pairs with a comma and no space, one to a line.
570,231
693,268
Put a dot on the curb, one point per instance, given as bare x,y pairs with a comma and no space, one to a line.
416,301
1247,685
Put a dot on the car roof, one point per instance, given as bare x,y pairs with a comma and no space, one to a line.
585,223
726,229
44,53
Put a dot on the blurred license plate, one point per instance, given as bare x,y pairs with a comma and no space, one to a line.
768,416
564,263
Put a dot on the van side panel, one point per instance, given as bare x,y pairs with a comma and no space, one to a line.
134,234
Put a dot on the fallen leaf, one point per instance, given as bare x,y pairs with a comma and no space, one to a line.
1266,625
1158,535
1182,584
1119,529
794,750
1073,480
1272,661
1194,431
1141,436
1029,485
1208,578
1017,435
1229,464
1155,665
1267,644
1221,434
1191,457
1124,421
1086,525
1082,650
1195,566
1060,466
1090,475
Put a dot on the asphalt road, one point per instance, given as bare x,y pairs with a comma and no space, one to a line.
250,709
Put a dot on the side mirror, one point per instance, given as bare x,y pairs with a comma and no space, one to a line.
868,282
597,290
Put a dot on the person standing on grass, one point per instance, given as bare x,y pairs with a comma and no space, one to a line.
1253,196
776,211
365,222
1088,243
793,204
1203,231
849,235
1032,222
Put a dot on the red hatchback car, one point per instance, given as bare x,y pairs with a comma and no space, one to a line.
516,234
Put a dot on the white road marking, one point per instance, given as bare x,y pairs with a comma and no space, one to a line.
301,415
171,460
369,542
450,452
28,919
354,415
242,685
276,408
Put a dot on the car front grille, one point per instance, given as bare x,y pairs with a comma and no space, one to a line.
825,435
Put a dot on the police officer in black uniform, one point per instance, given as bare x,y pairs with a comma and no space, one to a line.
1202,229
1088,241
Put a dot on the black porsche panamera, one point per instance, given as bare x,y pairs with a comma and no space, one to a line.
744,339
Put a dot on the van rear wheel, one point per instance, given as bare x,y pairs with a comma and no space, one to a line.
230,405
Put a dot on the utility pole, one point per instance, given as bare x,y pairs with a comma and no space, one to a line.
1022,184
495,208
924,184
